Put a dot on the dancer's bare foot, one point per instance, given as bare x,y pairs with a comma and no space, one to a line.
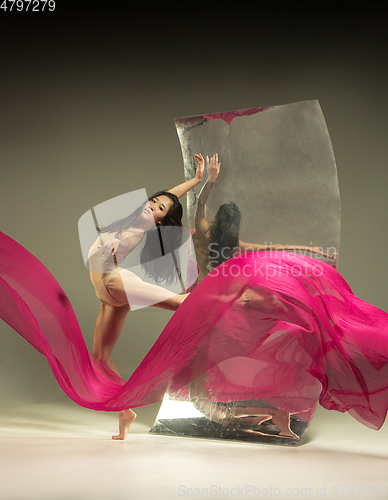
126,417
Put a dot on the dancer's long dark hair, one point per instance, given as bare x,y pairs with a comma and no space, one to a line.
160,240
224,233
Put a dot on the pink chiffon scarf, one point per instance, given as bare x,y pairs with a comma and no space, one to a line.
275,326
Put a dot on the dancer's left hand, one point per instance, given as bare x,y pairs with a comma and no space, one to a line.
200,166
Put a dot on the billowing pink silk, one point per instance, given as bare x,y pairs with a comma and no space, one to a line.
274,326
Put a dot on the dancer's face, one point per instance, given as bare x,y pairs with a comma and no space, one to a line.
157,208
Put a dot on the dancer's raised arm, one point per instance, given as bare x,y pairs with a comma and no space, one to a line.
183,188
213,168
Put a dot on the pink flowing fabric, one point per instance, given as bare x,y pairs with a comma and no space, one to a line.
275,326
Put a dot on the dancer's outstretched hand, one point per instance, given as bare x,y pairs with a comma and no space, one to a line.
213,167
200,166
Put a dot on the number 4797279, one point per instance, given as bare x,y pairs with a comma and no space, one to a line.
27,5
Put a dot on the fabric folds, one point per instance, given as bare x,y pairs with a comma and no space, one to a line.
275,326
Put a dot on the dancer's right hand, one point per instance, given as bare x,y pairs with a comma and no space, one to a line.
213,167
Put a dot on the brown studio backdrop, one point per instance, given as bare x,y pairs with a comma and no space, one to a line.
81,124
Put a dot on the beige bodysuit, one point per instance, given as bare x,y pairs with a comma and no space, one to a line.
104,264
105,256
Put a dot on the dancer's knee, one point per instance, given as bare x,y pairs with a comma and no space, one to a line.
106,307
178,299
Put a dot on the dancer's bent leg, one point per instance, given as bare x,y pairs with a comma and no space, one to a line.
131,289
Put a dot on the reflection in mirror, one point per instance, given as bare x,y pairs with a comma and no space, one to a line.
271,180
250,378
270,185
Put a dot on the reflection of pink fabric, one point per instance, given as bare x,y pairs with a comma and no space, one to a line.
292,316
229,115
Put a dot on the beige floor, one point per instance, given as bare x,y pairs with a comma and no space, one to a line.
58,451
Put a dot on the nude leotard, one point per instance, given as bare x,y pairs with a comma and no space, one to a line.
104,266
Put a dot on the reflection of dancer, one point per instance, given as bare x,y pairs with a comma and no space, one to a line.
250,416
219,240
119,289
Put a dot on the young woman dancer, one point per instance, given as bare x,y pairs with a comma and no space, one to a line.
119,289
